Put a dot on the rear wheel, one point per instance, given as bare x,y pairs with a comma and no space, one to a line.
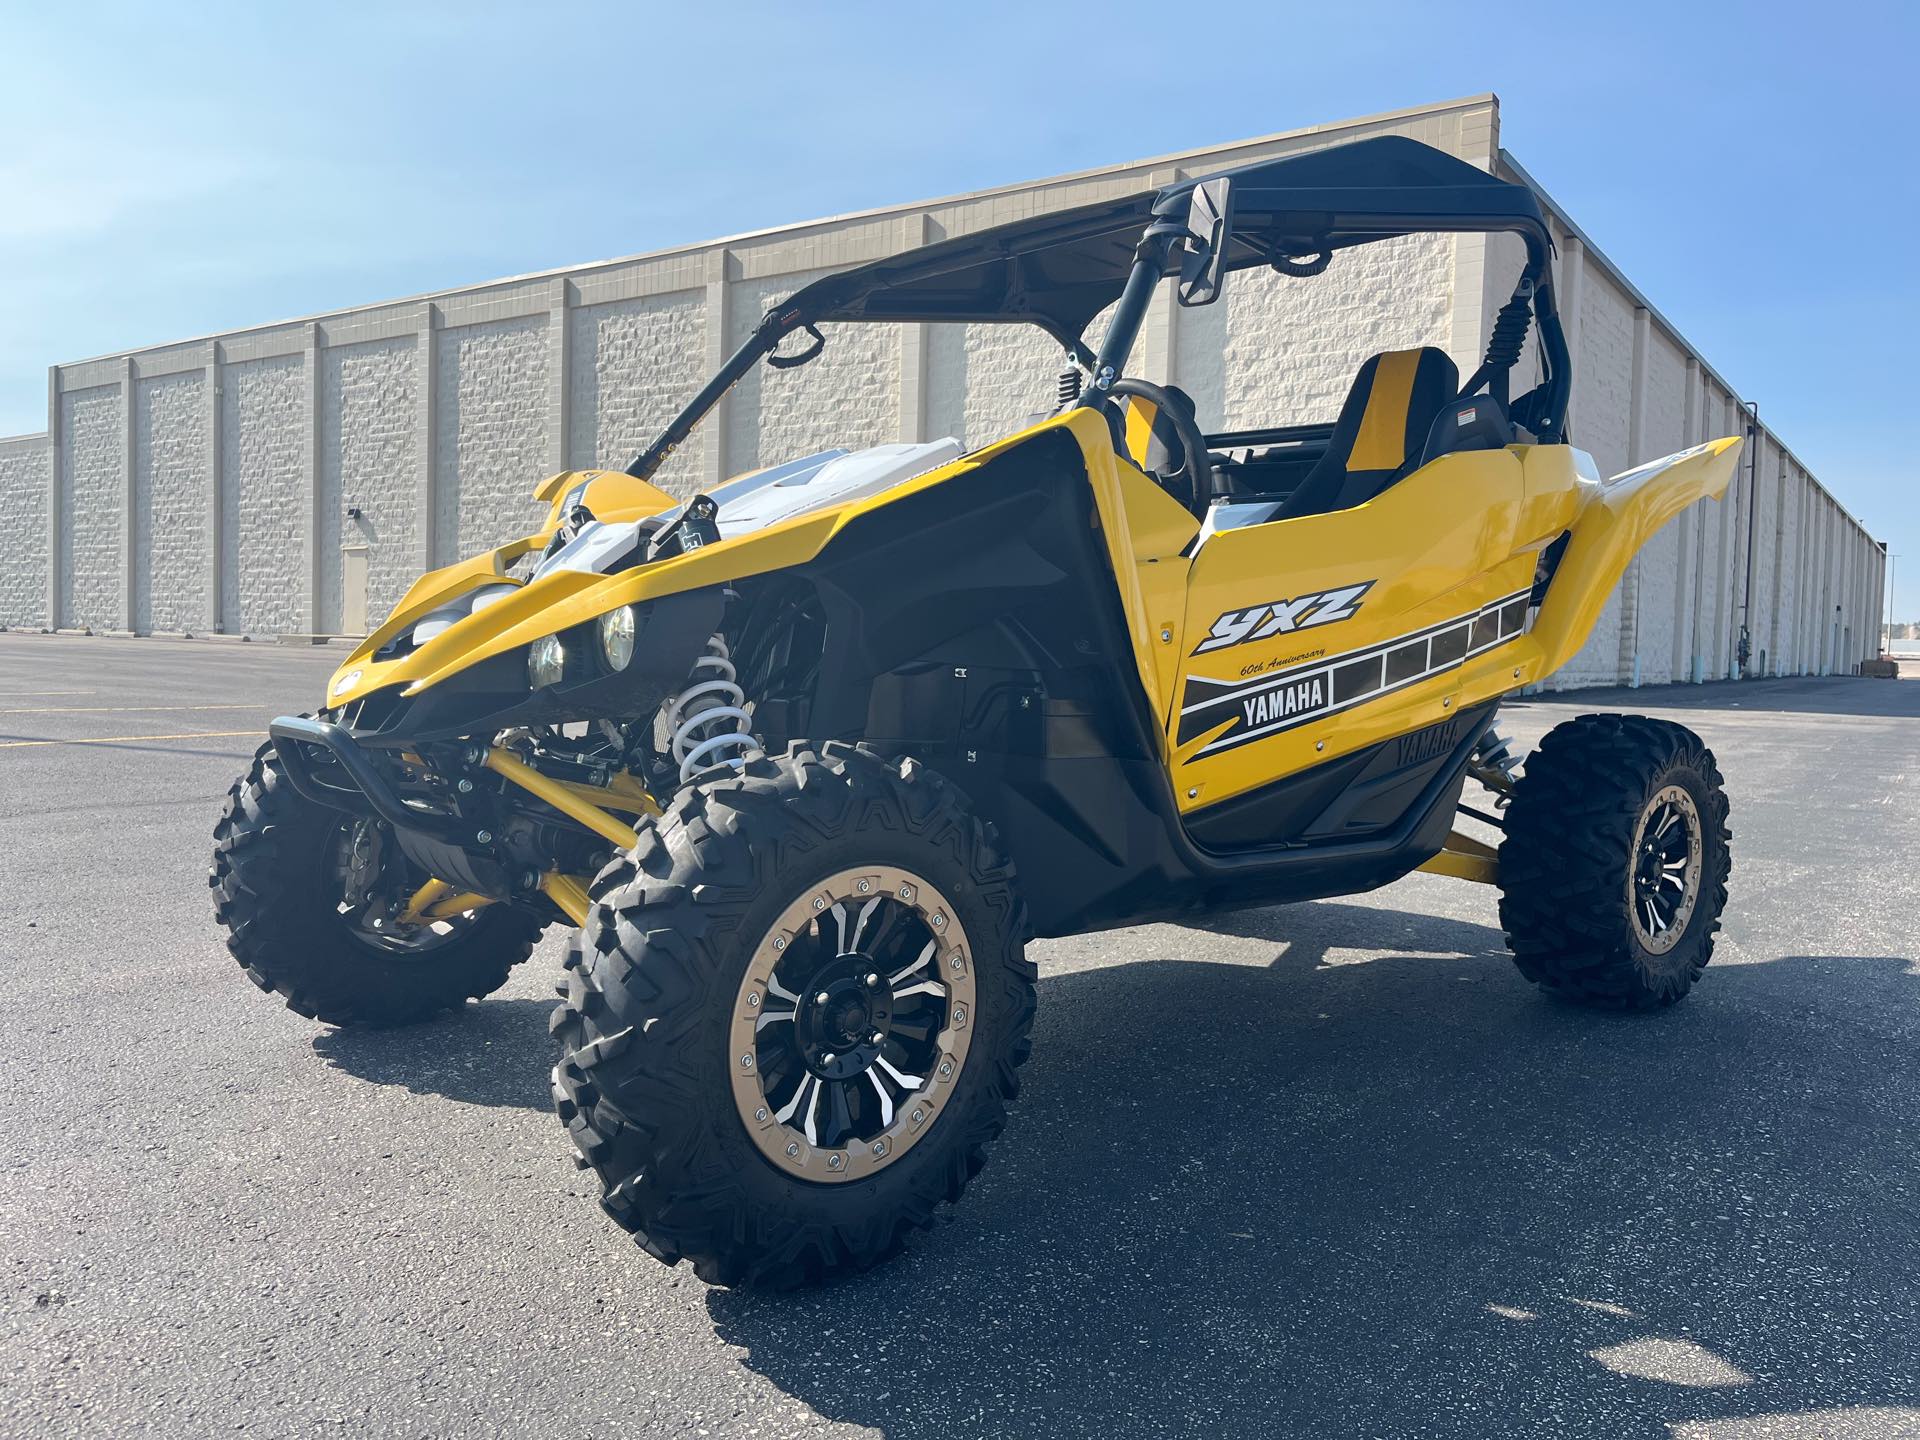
310,897
796,1017
1613,871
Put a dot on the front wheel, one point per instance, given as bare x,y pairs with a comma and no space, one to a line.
1613,871
794,1023
309,898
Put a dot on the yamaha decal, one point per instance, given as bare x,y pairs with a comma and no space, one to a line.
1268,704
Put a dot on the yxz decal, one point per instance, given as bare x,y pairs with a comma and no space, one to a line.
1320,607
1254,709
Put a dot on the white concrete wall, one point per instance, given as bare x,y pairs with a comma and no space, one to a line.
1756,559
170,443
205,486
92,546
25,481
369,405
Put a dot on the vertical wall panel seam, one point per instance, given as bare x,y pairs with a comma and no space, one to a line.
427,339
314,465
559,349
1627,657
129,521
1680,651
1777,615
55,531
915,345
718,319
1573,268
216,496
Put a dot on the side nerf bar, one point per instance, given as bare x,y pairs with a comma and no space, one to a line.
371,793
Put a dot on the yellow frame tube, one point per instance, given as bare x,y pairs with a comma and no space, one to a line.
568,893
1466,858
628,797
562,797
436,900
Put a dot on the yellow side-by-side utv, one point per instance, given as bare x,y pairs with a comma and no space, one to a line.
810,759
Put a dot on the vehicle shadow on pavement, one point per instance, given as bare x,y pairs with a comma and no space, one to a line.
1406,1196
493,1052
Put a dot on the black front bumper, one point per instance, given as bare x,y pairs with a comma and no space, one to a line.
328,766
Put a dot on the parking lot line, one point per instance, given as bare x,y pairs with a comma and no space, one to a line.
124,739
118,709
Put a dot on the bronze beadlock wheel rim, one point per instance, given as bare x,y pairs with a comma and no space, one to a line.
852,1024
1663,870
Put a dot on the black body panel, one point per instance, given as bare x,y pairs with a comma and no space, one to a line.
492,695
976,626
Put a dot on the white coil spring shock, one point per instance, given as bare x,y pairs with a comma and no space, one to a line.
707,721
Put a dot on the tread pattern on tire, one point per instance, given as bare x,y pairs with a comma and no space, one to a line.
1565,857
648,991
266,865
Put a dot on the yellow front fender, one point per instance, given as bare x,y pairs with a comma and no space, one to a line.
1613,522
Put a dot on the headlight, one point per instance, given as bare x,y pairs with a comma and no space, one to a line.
616,637
546,662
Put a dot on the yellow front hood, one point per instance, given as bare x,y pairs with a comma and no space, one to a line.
565,598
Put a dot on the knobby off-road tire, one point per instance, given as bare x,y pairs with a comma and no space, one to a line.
280,905
665,1060
1606,807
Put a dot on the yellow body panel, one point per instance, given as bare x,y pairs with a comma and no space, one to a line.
611,495
1616,520
1449,545
1440,544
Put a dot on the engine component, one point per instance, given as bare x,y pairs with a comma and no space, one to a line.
707,722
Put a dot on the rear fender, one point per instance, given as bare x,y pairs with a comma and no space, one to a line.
1613,522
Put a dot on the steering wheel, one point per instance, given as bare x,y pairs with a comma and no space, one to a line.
1196,470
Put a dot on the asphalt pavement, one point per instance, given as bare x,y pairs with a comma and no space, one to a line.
1327,1170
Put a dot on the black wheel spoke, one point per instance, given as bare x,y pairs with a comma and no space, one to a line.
852,1019
1667,847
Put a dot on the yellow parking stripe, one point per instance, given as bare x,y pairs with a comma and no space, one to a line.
125,739
120,709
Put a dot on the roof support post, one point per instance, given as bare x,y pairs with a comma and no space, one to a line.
1158,344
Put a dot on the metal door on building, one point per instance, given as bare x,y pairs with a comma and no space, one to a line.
353,589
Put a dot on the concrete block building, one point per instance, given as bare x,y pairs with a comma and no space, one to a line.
292,479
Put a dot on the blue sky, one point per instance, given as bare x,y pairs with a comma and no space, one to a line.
169,171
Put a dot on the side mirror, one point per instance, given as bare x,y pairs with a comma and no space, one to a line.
1203,268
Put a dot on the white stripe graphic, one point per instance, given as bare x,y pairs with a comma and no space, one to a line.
1324,669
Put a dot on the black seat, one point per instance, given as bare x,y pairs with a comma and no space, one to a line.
1382,429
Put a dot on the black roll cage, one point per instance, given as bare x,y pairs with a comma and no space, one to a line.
1059,271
